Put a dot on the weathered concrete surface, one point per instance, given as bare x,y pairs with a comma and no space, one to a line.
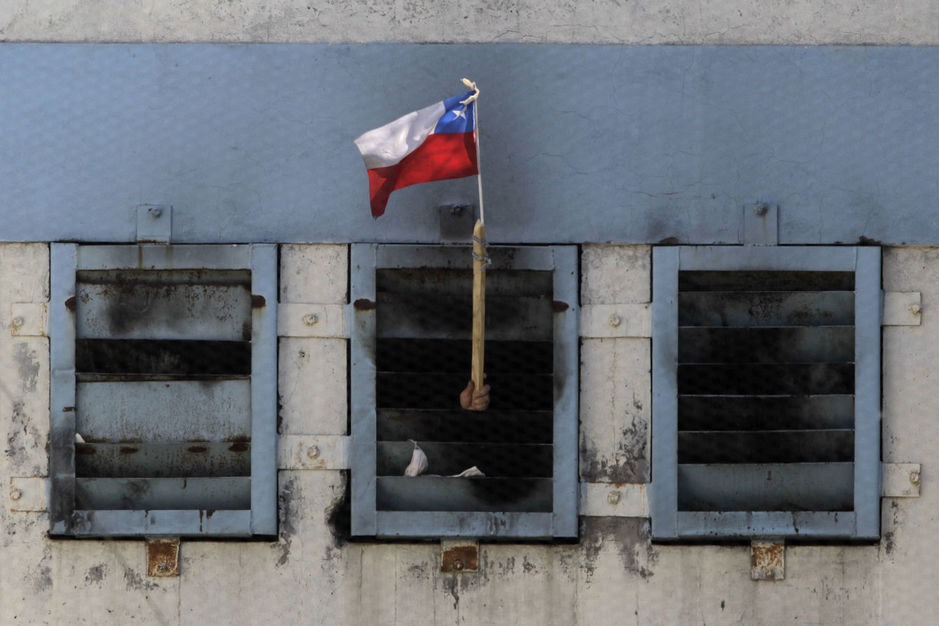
603,21
613,575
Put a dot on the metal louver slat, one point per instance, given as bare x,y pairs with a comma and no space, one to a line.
437,493
163,493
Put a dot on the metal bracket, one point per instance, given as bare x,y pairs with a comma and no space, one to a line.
616,320
29,319
311,320
28,494
154,224
760,225
456,222
163,557
902,308
614,500
901,480
459,556
314,452
767,559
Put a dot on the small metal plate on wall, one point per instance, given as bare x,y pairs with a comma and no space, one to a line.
767,560
459,556
163,557
456,222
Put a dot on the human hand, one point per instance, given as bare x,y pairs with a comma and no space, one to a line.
473,399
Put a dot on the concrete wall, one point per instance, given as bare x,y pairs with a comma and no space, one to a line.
531,21
613,575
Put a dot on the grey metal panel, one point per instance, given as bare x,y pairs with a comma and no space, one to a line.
664,488
157,460
164,411
140,310
186,523
161,257
747,524
434,524
442,493
264,391
230,492
459,257
238,139
62,387
362,388
754,258
566,391
766,487
867,411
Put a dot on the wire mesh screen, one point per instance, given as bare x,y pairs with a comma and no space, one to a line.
423,363
766,391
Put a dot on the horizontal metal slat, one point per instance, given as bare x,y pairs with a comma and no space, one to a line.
158,460
823,344
163,356
439,281
447,458
528,392
776,446
451,355
720,412
131,306
766,280
466,426
766,379
774,308
766,487
185,523
163,493
501,257
443,316
432,493
164,411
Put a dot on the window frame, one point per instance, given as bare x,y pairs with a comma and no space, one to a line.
863,522
261,518
562,522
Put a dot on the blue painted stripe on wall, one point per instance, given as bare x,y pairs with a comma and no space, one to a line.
580,143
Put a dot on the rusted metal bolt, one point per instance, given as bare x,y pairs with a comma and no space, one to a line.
163,567
916,309
914,477
313,452
310,319
615,320
613,497
458,564
761,210
15,494
156,213
18,321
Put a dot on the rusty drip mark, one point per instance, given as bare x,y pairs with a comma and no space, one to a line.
238,447
128,450
364,304
70,303
559,307
197,449
258,301
68,409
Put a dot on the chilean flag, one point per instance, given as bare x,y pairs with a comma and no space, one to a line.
436,143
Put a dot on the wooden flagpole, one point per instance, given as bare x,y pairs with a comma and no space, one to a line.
480,260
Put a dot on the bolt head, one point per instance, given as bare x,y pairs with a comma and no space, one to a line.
458,564
914,477
15,494
155,213
615,320
18,321
313,452
310,319
613,497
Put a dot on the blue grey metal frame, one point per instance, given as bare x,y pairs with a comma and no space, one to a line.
261,519
366,519
668,523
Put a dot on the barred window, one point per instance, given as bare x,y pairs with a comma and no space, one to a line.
766,392
411,346
164,390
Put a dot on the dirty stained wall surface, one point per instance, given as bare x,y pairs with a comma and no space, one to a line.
612,575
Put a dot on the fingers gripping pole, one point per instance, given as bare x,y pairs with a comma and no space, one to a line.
479,302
